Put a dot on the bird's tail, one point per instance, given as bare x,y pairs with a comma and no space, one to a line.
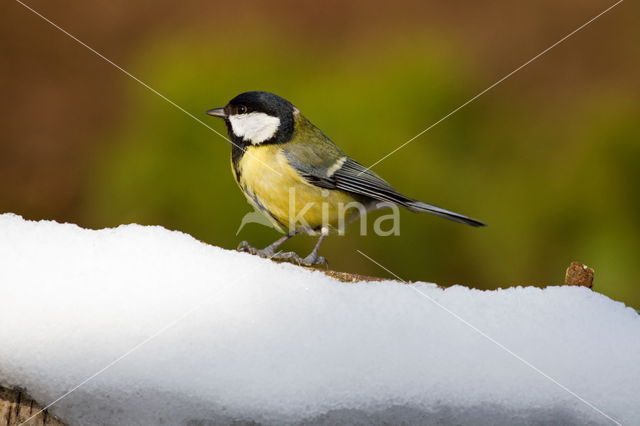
419,206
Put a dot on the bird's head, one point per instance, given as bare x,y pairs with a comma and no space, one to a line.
255,118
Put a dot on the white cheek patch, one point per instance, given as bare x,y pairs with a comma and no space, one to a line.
255,127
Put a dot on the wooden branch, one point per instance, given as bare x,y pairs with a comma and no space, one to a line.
347,277
579,274
16,407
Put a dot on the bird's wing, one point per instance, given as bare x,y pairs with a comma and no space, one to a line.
337,171
326,166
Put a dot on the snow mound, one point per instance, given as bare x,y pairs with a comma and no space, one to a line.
196,335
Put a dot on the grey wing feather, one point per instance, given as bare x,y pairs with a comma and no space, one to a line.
354,178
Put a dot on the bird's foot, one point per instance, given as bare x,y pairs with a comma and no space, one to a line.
245,247
292,257
315,261
288,256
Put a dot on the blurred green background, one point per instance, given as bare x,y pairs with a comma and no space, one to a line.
549,158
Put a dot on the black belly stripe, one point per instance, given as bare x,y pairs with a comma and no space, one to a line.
236,156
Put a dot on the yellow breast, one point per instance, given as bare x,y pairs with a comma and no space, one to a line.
271,185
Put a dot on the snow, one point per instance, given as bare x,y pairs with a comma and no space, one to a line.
193,334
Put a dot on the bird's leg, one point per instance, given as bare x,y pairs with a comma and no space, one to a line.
269,251
312,259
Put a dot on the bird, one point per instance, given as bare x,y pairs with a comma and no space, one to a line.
291,172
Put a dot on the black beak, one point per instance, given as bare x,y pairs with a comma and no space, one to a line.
217,112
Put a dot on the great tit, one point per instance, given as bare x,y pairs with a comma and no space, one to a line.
298,178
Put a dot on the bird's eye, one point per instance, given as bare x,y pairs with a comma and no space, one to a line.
241,109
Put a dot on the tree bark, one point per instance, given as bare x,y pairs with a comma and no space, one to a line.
16,407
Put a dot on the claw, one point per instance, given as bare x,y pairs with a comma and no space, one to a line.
294,258
314,261
289,256
245,247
